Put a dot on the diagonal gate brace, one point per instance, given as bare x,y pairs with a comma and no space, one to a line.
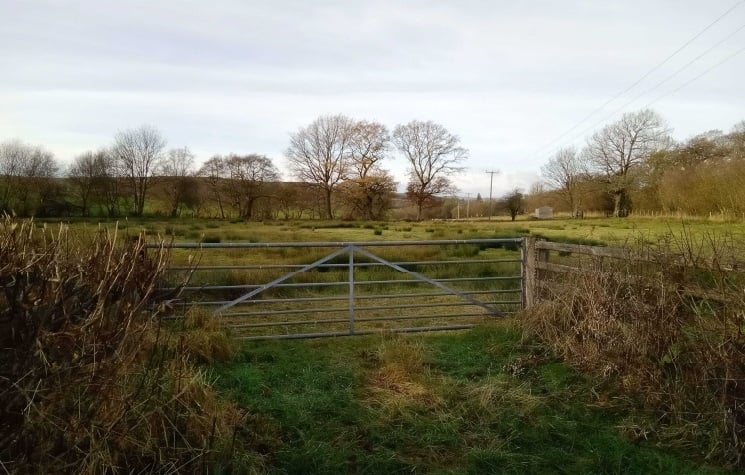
423,278
279,280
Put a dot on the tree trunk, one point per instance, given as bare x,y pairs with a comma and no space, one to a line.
617,197
329,213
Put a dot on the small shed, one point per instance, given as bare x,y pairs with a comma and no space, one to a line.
544,212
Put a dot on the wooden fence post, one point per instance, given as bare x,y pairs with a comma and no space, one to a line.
530,257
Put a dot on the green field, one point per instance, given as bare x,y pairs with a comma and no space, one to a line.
479,401
609,231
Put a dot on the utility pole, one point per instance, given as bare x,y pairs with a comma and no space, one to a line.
491,183
468,205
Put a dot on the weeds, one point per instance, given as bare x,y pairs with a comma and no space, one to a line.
668,329
90,382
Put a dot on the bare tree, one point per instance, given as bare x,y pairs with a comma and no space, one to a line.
619,149
248,177
320,154
176,170
566,173
12,156
27,173
433,154
736,139
89,174
215,172
138,153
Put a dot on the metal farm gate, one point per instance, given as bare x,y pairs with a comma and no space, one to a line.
318,289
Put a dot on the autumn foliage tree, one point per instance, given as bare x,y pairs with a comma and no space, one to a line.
368,191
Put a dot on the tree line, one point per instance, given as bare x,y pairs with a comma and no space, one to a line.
336,160
634,165
337,170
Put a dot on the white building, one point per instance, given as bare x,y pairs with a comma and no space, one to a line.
544,212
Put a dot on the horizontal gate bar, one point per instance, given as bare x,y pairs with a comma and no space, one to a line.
346,320
380,307
341,244
357,297
297,336
343,266
332,284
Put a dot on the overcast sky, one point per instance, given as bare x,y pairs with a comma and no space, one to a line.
225,76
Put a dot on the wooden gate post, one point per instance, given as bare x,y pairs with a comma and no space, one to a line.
531,256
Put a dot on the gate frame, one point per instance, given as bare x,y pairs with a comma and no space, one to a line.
351,248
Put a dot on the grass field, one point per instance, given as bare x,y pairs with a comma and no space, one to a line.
479,401
610,231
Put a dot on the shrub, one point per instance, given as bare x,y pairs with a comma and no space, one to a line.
668,330
211,239
91,383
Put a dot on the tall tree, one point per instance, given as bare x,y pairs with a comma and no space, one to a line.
369,143
138,153
176,170
619,150
434,154
320,154
565,172
368,192
215,172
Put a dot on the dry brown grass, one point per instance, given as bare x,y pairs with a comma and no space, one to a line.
400,382
668,330
90,381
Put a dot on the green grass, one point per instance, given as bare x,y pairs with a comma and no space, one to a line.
609,231
478,401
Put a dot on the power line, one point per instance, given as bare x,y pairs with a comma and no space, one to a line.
638,81
656,86
739,51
